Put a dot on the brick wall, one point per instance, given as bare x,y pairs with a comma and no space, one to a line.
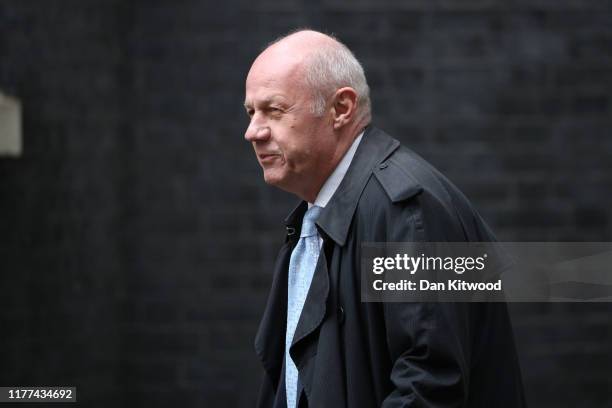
137,236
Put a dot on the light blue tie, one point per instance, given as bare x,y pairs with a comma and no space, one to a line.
301,270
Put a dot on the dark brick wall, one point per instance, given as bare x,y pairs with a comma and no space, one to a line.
137,236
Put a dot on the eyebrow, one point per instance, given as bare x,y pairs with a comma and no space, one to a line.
266,101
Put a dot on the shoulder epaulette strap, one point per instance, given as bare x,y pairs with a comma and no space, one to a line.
397,182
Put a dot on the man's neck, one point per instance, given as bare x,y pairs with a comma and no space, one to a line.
354,132
332,182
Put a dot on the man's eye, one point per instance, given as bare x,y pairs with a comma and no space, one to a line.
274,110
250,112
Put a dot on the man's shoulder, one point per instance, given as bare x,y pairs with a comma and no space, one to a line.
404,183
404,174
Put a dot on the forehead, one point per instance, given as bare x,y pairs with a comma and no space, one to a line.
273,76
260,90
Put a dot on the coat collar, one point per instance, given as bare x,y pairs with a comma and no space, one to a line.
335,219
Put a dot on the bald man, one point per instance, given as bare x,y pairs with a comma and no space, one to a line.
321,346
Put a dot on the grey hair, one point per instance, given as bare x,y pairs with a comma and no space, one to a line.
331,67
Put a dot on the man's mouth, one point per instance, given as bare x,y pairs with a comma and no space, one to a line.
267,157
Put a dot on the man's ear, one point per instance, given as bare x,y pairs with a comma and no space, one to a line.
344,107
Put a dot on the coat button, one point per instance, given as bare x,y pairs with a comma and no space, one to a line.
341,316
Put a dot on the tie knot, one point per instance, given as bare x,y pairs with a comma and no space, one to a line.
308,223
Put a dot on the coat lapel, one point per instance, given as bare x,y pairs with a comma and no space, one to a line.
270,338
336,217
305,340
314,306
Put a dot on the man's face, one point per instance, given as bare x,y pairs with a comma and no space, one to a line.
293,146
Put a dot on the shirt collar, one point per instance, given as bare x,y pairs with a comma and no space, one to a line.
333,181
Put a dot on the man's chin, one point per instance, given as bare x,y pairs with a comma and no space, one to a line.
279,180
273,178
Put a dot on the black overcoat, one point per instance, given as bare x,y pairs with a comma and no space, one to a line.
355,354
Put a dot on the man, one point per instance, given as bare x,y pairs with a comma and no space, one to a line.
308,103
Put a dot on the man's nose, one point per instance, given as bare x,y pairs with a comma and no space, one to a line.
257,131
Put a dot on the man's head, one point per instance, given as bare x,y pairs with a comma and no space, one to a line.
307,99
